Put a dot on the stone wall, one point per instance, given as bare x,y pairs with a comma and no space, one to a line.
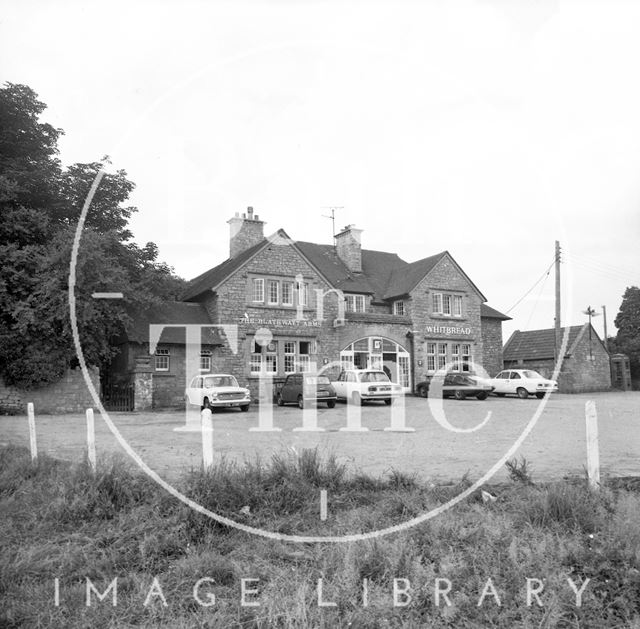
492,345
69,395
445,277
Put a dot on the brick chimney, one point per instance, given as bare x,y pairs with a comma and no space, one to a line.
244,232
349,249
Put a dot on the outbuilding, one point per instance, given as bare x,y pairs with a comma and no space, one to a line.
586,364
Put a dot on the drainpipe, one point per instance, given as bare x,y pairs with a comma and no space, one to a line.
412,351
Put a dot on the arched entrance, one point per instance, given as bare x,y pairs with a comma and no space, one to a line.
377,352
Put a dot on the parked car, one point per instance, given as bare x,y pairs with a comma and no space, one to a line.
362,385
303,388
459,386
523,383
217,390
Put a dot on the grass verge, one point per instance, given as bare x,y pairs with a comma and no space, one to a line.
484,563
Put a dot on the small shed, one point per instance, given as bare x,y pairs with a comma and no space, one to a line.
586,364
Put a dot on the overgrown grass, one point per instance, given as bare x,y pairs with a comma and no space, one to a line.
60,520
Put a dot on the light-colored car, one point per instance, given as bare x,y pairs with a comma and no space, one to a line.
217,390
523,383
362,385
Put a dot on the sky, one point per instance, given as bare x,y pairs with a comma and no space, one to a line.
490,129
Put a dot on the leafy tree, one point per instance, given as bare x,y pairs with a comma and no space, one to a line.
40,203
628,323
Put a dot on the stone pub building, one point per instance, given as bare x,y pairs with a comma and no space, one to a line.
409,319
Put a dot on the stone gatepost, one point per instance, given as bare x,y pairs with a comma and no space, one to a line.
142,378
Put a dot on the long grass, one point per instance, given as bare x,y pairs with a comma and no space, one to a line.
61,521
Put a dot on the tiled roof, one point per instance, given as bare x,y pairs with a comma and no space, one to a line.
403,279
175,312
207,280
384,275
538,344
488,312
377,267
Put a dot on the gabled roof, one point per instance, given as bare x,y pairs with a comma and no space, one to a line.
377,267
540,344
487,312
384,275
211,278
175,312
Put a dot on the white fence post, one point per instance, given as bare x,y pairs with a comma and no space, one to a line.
593,452
207,438
91,440
32,432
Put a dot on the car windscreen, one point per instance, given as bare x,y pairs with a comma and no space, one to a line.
374,376
531,374
220,381
317,380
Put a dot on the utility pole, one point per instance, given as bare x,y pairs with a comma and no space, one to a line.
558,325
590,312
333,209
604,315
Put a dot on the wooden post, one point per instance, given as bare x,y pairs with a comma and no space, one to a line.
32,432
91,440
593,453
207,439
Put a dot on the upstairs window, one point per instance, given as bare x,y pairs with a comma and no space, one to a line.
258,290
447,304
274,290
205,360
398,308
354,303
287,293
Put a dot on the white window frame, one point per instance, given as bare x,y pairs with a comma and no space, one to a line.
205,360
398,308
290,349
162,357
447,304
257,294
302,288
437,303
466,357
431,356
287,287
355,303
270,285
457,306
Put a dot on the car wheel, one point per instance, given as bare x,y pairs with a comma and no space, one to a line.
300,402
388,402
523,394
500,394
205,404
279,400
482,396
423,392
539,395
356,398
331,404
459,395
244,408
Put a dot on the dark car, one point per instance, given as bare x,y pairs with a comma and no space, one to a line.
459,386
302,388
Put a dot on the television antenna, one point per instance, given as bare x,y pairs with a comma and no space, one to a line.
590,312
333,209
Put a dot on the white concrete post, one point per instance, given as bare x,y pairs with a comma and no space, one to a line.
32,432
398,416
593,452
207,438
265,402
354,418
91,440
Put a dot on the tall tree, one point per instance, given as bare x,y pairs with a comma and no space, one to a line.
628,323
40,203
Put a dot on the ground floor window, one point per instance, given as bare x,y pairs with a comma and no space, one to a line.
454,356
374,352
282,356
205,360
162,359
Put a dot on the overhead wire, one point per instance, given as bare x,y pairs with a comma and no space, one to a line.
542,277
